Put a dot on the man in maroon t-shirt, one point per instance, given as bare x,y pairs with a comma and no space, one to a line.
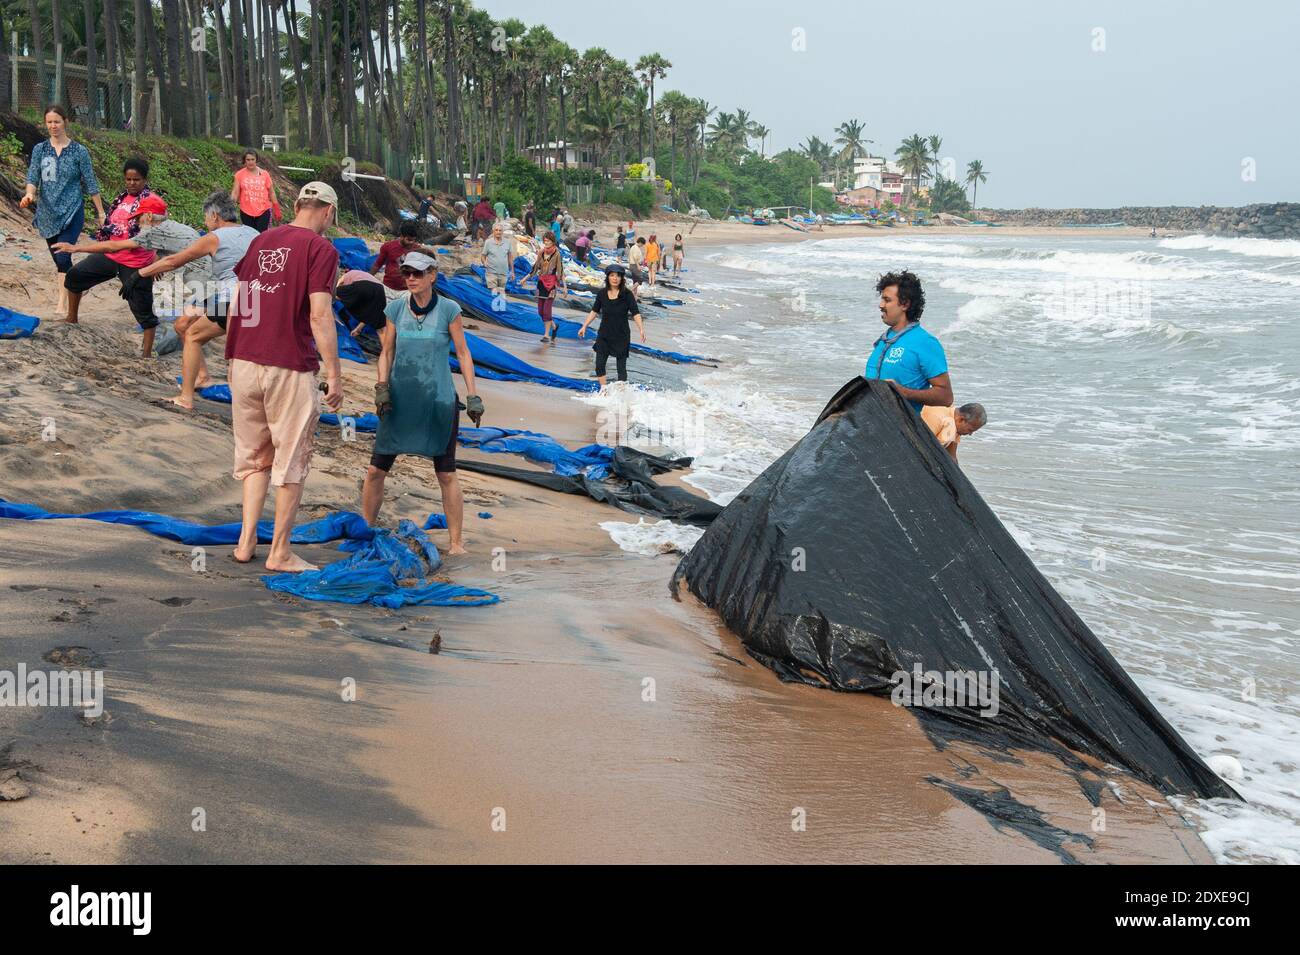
280,331
390,256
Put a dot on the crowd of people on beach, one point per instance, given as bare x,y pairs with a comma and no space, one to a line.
270,290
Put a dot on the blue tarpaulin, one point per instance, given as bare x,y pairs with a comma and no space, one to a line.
389,570
341,524
386,568
473,296
16,324
591,461
354,254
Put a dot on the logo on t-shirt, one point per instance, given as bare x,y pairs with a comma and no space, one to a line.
272,260
895,354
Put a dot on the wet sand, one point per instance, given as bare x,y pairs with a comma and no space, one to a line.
226,697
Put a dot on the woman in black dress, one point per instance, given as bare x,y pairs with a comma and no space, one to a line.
615,304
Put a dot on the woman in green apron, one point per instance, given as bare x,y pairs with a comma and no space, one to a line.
415,398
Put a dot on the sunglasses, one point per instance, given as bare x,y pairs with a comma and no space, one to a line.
412,273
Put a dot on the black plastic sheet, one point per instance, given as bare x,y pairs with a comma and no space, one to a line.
864,551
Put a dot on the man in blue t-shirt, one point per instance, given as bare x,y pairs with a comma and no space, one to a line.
906,353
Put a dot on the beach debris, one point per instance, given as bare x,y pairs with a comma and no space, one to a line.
74,656
12,788
435,645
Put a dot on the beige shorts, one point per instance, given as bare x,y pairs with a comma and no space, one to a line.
274,413
495,280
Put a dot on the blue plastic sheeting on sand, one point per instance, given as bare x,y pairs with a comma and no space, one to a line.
349,347
390,570
435,520
360,422
354,254
16,324
591,461
500,364
474,297
341,524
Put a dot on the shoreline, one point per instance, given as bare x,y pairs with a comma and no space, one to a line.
224,696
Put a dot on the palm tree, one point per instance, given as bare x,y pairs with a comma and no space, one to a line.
975,174
914,156
935,143
819,152
600,124
652,66
761,133
676,108
851,141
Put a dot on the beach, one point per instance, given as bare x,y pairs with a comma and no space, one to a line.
588,717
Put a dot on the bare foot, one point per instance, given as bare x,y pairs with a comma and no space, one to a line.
182,402
203,382
248,558
294,565
454,549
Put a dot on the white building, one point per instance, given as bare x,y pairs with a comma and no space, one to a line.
877,172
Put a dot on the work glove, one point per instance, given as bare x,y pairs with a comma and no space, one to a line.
383,399
474,406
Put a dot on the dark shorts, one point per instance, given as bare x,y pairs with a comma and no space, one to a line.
70,233
444,463
97,268
260,223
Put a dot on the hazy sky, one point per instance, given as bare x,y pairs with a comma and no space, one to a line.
1184,92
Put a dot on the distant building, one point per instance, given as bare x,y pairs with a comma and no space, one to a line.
867,196
876,172
558,155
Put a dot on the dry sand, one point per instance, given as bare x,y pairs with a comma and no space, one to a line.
225,698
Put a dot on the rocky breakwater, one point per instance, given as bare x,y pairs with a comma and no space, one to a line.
1266,220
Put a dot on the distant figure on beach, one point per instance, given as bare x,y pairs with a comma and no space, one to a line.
557,227
390,255
280,331
566,224
204,319
255,193
502,212
549,271
652,257
630,231
495,258
615,304
950,424
530,220
581,245
426,206
906,353
115,254
59,177
484,215
415,397
679,254
620,243
462,220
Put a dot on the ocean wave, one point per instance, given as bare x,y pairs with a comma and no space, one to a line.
1237,245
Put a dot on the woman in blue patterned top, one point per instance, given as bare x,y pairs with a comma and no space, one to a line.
60,170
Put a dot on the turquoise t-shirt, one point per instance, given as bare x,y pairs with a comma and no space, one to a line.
911,357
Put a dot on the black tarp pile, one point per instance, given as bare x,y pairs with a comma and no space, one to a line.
630,487
864,551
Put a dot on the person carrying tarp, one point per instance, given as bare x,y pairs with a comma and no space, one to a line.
204,319
414,395
615,304
906,353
